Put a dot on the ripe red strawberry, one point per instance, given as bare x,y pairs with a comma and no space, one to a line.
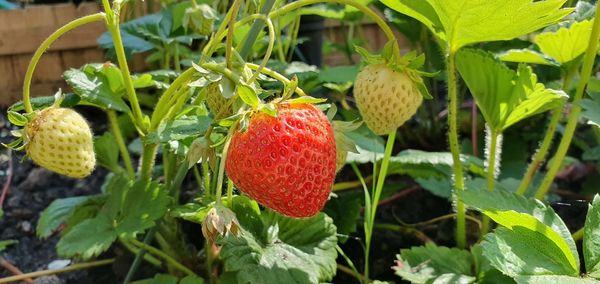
287,163
385,98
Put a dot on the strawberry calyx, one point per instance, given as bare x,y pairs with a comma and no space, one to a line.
408,63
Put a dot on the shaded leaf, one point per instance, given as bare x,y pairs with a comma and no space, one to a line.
591,108
88,239
107,151
431,263
283,250
57,213
591,239
180,128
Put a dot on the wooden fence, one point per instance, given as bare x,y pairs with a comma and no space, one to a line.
23,30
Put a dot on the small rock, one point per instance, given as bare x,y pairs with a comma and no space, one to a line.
58,264
52,279
25,226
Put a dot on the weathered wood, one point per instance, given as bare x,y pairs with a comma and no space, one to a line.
22,31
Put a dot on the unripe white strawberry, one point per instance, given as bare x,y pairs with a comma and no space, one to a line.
385,98
60,140
217,104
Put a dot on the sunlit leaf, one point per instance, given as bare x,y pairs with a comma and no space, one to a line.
565,44
502,200
463,22
504,96
526,56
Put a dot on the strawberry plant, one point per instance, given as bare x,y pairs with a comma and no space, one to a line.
228,161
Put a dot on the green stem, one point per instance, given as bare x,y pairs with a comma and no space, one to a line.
255,29
229,192
139,255
540,154
135,250
147,161
586,71
491,174
377,194
367,227
265,59
45,46
299,4
77,266
171,261
112,24
162,106
206,179
273,74
118,134
578,235
461,232
222,166
234,11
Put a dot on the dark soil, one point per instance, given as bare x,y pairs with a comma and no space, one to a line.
31,191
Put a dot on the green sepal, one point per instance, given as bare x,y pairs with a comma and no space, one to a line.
306,100
248,95
409,64
231,120
269,109
17,119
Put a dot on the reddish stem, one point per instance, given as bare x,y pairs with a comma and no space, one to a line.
9,176
13,269
474,128
396,197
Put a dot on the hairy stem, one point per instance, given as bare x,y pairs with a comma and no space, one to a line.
491,174
118,134
461,233
586,71
540,154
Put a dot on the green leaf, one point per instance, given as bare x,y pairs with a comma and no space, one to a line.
504,96
282,250
160,279
591,108
57,213
248,95
180,128
94,89
88,239
339,74
463,22
522,237
500,200
554,279
526,56
107,151
190,279
130,209
567,43
143,204
591,239
431,263
5,243
345,212
523,251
